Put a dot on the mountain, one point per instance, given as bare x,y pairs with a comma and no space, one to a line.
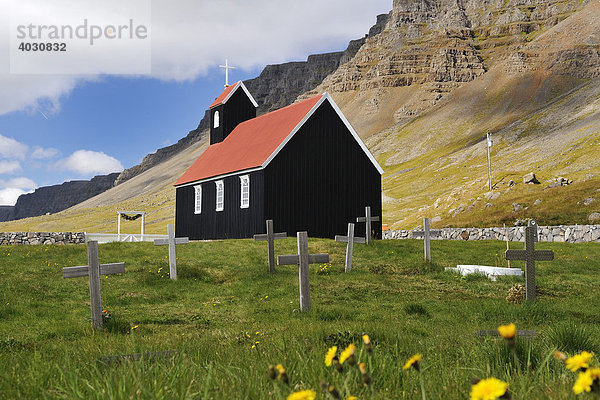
422,89
56,198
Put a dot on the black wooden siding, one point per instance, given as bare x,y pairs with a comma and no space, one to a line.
238,109
322,180
231,223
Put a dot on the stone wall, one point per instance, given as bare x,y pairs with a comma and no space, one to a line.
29,238
562,233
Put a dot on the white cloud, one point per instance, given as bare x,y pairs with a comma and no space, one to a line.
9,196
10,148
191,38
20,183
87,163
9,167
39,153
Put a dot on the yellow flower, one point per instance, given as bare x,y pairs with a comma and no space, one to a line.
303,395
366,339
413,361
579,361
507,331
488,389
329,356
348,351
351,398
583,383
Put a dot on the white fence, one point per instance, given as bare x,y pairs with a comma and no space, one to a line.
122,237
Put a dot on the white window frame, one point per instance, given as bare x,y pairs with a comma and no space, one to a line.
245,182
216,119
198,199
220,192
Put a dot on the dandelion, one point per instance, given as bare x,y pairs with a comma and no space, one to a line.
583,383
368,345
413,362
282,374
365,376
330,355
489,389
507,331
348,354
579,361
351,398
303,395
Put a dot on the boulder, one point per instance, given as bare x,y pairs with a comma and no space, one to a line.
530,178
588,201
594,217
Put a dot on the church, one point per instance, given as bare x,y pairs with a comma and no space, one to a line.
303,166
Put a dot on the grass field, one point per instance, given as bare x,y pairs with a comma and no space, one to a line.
227,319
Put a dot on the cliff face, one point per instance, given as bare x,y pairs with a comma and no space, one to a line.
52,199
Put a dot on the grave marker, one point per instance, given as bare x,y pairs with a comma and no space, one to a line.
94,269
530,255
427,233
270,238
303,259
350,239
533,224
367,219
171,242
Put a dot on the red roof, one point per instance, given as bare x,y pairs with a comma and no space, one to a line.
250,144
219,100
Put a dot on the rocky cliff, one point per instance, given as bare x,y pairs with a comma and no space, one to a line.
53,199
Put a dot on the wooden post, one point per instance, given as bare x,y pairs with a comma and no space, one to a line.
303,271
171,242
367,219
119,226
303,259
94,274
270,237
530,255
507,243
427,241
94,269
350,239
142,233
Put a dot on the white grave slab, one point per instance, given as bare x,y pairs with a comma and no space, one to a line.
490,272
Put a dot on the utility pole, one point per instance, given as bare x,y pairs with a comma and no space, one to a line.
489,148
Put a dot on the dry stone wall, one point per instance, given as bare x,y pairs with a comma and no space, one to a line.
562,233
33,238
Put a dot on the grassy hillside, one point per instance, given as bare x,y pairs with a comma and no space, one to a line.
226,320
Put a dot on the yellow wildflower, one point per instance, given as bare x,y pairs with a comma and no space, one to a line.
413,362
366,339
583,383
347,353
351,398
507,331
488,389
329,356
579,361
303,395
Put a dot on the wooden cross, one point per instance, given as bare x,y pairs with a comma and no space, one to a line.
426,233
94,269
303,259
350,239
227,67
270,237
171,241
368,219
530,255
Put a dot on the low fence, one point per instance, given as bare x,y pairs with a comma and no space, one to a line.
32,238
562,233
122,237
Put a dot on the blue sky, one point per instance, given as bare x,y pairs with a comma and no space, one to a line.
59,127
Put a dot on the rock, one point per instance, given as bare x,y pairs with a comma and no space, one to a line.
537,202
511,183
488,205
588,177
465,235
436,219
530,178
517,207
491,196
588,201
594,217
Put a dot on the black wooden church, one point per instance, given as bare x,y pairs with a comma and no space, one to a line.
303,166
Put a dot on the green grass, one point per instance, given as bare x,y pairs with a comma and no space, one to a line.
227,319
